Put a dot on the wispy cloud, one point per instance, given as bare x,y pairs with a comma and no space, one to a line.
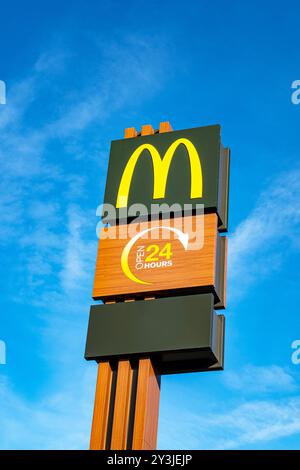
260,379
257,422
79,255
59,420
258,244
251,424
132,70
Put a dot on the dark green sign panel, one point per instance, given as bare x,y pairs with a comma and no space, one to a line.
181,334
181,167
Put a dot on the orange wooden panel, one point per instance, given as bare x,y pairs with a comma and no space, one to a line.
125,265
147,130
225,272
130,132
122,406
165,127
146,408
101,406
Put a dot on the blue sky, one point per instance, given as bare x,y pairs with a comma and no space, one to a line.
77,73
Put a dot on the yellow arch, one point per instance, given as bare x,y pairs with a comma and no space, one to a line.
161,167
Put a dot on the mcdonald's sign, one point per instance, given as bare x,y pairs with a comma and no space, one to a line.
187,167
160,274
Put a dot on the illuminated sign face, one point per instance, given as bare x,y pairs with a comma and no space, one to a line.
180,167
161,257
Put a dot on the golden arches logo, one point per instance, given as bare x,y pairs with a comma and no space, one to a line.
161,167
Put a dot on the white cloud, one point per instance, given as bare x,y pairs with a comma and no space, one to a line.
252,425
19,98
258,421
79,254
60,420
132,70
258,244
260,379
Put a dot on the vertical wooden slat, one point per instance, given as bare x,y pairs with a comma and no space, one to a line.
225,271
147,130
101,406
146,408
122,406
165,127
130,132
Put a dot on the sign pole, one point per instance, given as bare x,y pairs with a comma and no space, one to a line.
127,395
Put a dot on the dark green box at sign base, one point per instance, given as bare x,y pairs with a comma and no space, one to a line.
180,334
214,163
